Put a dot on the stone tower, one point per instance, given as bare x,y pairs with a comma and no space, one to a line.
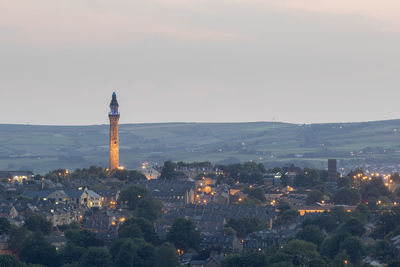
114,140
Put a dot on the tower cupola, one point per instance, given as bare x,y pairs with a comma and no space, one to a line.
114,105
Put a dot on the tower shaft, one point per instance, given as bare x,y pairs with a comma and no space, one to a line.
114,142
114,139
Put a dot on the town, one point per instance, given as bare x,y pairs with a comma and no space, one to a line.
199,214
187,133
209,215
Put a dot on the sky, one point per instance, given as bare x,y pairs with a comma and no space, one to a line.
299,61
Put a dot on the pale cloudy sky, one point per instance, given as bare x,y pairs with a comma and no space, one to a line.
297,61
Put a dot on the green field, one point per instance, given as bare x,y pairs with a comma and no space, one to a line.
43,148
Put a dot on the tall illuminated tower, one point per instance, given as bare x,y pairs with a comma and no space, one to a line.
114,140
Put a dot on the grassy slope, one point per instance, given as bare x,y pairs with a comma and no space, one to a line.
42,148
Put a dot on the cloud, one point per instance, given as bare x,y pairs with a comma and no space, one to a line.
70,22
384,12
91,22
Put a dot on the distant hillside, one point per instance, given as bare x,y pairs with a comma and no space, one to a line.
43,148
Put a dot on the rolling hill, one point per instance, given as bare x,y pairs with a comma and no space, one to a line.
43,148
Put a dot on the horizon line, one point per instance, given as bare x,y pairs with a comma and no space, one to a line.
194,122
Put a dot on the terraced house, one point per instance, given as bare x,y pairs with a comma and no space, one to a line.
84,197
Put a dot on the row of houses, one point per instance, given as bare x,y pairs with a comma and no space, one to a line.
84,196
212,218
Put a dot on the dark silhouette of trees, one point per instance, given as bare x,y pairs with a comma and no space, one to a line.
184,235
166,256
36,223
37,250
96,257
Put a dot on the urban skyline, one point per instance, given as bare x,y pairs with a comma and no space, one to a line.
254,133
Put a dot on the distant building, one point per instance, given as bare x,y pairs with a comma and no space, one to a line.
109,198
170,191
78,197
332,170
8,211
151,173
218,241
262,240
16,176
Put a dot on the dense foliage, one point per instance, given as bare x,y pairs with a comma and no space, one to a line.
249,172
94,172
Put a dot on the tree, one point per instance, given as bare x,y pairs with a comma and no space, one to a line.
168,171
36,223
10,261
353,226
149,209
4,225
301,253
37,250
145,254
126,175
249,172
283,205
354,248
387,222
257,193
202,164
342,260
245,226
362,212
236,260
133,195
130,230
92,172
314,196
312,234
384,200
138,228
287,217
308,178
374,188
344,182
96,257
330,246
17,237
339,213
282,264
83,238
73,225
382,249
347,196
71,253
124,252
166,256
326,222
394,263
229,231
184,235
